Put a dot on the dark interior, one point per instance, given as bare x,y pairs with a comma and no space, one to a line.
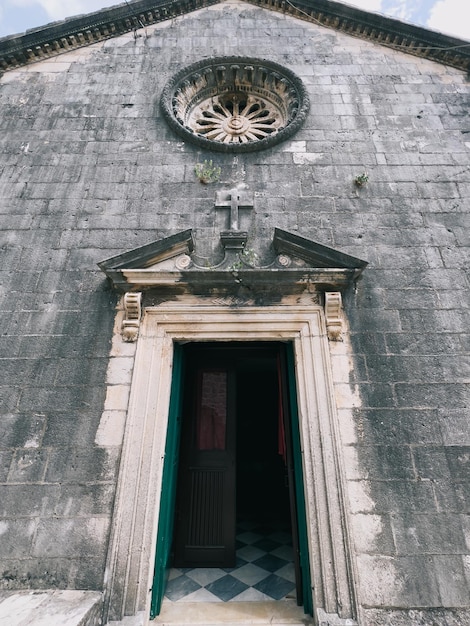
262,492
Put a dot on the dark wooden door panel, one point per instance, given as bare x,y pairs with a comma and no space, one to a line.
205,531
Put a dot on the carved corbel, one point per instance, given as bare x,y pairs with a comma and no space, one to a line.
133,314
334,320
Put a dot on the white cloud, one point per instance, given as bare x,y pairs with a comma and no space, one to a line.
366,5
451,16
59,9
400,9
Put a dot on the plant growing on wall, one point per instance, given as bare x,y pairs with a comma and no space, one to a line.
247,258
361,179
207,172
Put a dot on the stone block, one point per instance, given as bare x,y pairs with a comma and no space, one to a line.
28,500
71,372
372,534
385,462
6,457
451,497
417,617
117,397
21,431
411,299
74,398
421,342
431,463
391,426
376,320
423,368
359,497
452,573
458,458
366,342
432,395
83,500
52,608
82,465
28,465
9,398
78,426
53,573
394,496
71,537
111,429
397,581
16,537
454,426
436,533
377,394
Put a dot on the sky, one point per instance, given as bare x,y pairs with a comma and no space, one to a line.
447,16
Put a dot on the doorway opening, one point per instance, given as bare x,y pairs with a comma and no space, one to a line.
238,530
141,539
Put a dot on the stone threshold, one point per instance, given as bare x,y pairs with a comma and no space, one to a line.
50,608
284,612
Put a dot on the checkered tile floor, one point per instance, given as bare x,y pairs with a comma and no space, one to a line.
264,570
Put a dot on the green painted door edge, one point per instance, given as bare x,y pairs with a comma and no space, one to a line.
168,494
299,484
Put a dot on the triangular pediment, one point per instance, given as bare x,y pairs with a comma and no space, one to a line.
76,32
313,253
169,265
151,254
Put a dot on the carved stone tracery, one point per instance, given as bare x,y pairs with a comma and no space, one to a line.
235,104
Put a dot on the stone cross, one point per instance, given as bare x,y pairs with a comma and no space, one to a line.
234,199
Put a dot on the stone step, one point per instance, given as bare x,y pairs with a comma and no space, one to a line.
50,608
135,620
282,613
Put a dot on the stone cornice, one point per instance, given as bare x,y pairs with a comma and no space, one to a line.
166,265
53,39
60,37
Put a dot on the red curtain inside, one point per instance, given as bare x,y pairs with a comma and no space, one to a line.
281,431
211,410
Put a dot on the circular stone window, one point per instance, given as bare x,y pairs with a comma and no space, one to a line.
235,104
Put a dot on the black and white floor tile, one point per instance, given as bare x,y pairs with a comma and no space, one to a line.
264,570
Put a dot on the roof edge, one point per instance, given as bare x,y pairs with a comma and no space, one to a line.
59,37
76,32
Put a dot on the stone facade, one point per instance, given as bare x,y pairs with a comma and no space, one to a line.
90,169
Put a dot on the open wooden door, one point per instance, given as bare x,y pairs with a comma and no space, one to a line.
290,419
169,479
205,524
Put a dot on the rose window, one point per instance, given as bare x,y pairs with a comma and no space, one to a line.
235,104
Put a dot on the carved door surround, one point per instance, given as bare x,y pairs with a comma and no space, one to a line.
309,316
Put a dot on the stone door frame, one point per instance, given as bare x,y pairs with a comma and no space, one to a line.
134,530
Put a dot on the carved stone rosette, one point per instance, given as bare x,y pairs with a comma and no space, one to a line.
235,104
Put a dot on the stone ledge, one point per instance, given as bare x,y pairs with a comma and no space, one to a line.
285,613
134,620
50,608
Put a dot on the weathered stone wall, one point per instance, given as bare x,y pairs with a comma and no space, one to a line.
89,169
